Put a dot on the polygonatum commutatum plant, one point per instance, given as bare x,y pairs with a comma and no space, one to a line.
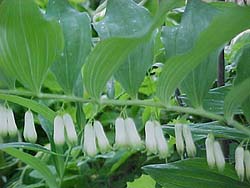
124,93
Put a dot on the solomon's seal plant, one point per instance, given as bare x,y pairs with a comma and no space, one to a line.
124,93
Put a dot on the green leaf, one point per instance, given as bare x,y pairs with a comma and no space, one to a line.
108,55
28,146
35,164
243,73
77,35
218,33
236,97
33,105
193,173
143,181
29,43
134,18
178,40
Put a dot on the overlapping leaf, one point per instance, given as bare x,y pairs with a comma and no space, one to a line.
110,54
178,40
29,43
123,22
77,35
218,33
35,164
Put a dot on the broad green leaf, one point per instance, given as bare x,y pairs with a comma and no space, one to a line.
201,130
109,54
29,43
218,33
8,81
193,173
124,22
32,104
77,35
243,72
35,164
28,146
143,181
236,97
179,39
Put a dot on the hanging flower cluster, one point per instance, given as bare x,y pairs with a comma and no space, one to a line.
8,125
95,139
64,129
183,134
242,163
214,153
155,141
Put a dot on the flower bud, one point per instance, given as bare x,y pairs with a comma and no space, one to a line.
190,147
162,145
247,163
219,157
150,140
3,121
132,134
29,132
89,143
58,136
70,129
179,139
102,140
121,139
210,150
12,128
239,162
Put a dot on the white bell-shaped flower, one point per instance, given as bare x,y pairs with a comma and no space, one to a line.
239,162
89,143
219,156
70,129
210,150
121,139
247,163
29,131
3,122
150,141
179,139
12,128
102,140
190,147
134,138
58,135
162,145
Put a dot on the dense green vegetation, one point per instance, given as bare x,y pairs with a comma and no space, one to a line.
124,93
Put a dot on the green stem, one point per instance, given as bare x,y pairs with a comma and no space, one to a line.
136,102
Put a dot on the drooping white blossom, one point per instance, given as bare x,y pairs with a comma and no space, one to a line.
29,131
58,135
179,139
3,122
70,129
12,128
161,141
133,136
219,156
239,162
150,140
209,143
121,139
247,163
102,140
190,147
89,143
